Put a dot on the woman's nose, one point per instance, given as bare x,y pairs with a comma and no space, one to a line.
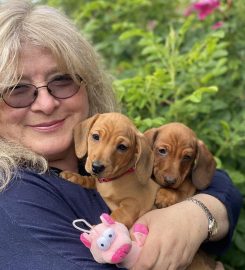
45,102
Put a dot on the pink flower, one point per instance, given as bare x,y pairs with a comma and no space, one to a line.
205,7
188,11
217,25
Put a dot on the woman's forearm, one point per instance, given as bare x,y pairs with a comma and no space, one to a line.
219,212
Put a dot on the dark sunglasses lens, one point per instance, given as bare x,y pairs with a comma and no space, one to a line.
63,87
20,96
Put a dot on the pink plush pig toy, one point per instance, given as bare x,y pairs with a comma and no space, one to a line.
110,242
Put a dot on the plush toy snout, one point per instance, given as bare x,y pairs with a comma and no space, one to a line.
110,242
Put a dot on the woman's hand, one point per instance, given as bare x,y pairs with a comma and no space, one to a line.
175,234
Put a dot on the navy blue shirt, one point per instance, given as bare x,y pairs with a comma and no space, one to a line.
36,214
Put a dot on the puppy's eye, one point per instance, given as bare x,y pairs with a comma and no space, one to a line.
163,152
122,147
96,137
187,158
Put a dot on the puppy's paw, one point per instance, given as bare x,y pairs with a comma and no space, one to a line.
71,176
84,181
165,198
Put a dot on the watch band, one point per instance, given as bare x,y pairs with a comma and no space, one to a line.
212,223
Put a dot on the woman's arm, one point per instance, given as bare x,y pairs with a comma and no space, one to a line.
218,210
36,215
222,189
176,232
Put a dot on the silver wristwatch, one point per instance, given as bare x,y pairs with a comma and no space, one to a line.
212,223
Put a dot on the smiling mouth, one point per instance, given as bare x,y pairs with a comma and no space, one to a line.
48,126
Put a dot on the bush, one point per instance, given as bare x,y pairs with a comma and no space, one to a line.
171,67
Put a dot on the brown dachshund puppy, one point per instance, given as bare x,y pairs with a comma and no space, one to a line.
120,160
182,163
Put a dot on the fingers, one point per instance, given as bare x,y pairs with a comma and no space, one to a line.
170,244
219,266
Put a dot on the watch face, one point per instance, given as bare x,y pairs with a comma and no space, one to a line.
213,227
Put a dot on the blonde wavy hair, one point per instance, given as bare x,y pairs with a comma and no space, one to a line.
23,22
14,156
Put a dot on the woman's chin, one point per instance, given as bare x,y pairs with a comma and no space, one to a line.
52,150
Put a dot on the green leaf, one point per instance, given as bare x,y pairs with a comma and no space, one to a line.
131,33
196,96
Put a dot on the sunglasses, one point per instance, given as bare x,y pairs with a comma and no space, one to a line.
23,95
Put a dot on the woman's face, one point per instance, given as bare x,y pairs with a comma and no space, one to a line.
46,125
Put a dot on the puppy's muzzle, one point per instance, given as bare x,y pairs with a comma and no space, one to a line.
169,180
97,167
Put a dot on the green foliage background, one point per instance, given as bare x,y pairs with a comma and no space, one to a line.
168,67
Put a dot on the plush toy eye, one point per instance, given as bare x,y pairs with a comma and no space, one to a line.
110,234
95,137
163,152
103,243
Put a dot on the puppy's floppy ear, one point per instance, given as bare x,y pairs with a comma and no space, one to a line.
144,159
151,135
204,167
81,132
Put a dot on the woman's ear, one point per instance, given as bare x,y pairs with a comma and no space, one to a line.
204,168
81,132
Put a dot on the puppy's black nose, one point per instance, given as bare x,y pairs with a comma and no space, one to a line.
97,167
169,180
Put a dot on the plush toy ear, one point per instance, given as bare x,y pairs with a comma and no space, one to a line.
144,159
85,239
151,135
204,167
107,219
81,132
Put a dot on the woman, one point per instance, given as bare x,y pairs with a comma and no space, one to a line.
49,81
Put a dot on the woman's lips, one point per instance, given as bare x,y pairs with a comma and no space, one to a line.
48,126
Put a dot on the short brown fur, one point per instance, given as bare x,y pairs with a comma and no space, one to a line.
112,140
182,163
